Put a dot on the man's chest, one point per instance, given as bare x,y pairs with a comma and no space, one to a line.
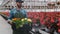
18,14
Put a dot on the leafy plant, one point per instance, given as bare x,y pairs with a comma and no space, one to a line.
20,22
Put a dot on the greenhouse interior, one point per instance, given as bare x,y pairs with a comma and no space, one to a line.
29,16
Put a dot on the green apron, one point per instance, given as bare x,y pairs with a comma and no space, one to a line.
19,14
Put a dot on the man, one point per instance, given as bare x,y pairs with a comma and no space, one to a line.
17,12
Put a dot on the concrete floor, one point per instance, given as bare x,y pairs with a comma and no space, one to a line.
5,28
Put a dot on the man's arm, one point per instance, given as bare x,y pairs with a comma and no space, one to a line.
10,17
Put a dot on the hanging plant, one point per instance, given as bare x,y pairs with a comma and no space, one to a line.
51,4
58,3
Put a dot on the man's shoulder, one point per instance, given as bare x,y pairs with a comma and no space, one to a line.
23,9
13,9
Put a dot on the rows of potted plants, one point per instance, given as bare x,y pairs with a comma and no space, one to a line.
5,13
43,17
46,18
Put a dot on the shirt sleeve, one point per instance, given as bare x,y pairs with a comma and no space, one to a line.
11,15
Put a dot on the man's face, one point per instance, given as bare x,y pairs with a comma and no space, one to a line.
19,4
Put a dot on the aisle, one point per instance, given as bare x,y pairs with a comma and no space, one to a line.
5,28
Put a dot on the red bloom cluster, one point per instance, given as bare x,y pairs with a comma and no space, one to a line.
46,18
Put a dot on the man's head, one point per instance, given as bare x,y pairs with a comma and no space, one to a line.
19,3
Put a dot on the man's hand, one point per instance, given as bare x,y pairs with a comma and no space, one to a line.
9,21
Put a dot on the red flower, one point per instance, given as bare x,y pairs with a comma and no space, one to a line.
59,30
58,24
52,21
